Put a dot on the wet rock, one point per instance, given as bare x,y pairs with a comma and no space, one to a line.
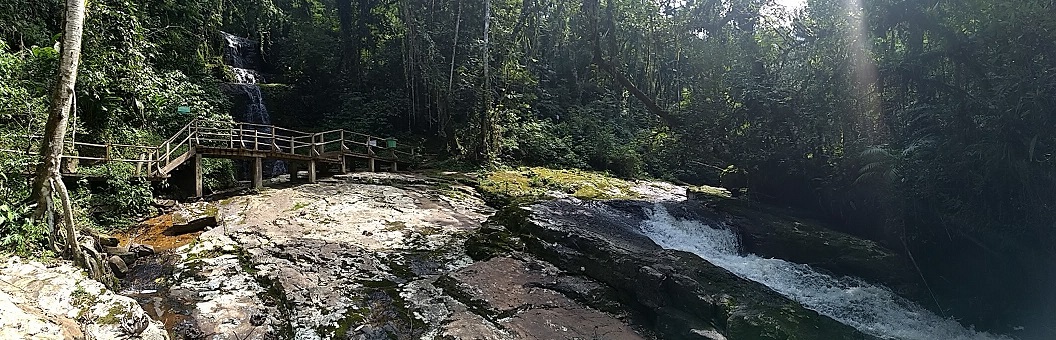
142,250
772,232
511,293
380,256
108,241
164,203
192,226
679,291
118,266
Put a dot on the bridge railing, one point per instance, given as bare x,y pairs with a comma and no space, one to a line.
160,159
82,152
259,137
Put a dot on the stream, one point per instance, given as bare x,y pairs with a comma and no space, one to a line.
872,309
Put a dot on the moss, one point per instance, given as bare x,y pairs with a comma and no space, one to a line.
82,298
706,192
211,210
114,315
298,206
491,241
275,294
537,183
351,318
204,254
227,201
395,225
381,304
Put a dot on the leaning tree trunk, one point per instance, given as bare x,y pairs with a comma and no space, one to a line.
47,174
591,8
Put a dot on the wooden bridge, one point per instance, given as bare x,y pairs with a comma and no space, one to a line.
234,140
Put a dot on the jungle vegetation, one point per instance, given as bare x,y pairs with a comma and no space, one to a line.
928,125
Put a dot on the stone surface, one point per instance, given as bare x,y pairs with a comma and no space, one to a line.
142,250
402,256
191,226
57,301
513,294
372,256
118,266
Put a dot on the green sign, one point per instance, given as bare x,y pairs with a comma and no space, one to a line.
184,109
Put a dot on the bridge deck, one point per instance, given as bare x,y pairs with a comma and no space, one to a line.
232,140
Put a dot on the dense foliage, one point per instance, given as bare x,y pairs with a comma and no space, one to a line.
925,124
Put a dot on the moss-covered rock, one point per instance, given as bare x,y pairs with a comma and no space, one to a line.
527,184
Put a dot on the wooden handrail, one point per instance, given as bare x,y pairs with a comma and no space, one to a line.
229,134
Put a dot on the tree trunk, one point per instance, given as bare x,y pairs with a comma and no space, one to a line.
48,172
591,8
487,125
445,118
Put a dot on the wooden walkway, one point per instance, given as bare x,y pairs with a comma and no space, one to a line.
233,140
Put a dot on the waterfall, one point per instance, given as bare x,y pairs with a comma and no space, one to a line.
872,309
242,55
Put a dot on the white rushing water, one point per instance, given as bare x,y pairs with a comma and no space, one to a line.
872,309
242,56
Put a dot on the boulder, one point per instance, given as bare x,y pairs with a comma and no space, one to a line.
109,241
115,249
142,250
192,226
118,266
164,203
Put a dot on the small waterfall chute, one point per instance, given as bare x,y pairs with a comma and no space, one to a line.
872,309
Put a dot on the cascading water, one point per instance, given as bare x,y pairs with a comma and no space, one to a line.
872,309
242,55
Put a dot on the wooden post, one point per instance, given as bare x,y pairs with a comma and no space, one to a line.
344,165
139,165
274,144
197,175
256,139
293,168
370,163
394,166
311,171
258,173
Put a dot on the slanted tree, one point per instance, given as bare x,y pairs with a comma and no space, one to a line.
48,179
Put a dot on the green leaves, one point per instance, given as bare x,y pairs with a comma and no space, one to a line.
18,232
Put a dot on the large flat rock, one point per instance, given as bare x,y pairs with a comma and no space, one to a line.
514,294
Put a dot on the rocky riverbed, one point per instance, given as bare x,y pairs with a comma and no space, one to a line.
405,256
372,256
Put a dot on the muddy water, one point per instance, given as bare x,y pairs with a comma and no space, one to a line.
151,232
149,279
